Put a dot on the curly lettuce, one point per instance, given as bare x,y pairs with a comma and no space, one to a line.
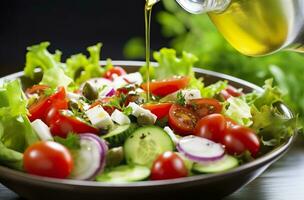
16,133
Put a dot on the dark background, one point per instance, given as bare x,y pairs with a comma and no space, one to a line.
71,26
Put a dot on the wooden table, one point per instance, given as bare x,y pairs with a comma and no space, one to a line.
283,180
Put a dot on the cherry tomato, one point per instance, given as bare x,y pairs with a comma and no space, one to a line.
212,127
181,119
40,109
230,91
205,106
49,159
165,87
161,110
114,72
238,139
168,166
62,124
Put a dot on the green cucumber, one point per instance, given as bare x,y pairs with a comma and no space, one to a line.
145,144
224,164
118,135
124,174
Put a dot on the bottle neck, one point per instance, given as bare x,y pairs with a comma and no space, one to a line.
203,6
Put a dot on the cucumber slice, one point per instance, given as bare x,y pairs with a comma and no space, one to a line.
124,174
145,144
117,136
224,164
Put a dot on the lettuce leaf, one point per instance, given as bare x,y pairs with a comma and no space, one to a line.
16,133
238,110
80,68
211,90
39,57
170,65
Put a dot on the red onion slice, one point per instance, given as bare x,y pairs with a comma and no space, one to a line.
89,161
200,149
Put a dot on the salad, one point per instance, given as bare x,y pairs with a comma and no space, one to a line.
79,120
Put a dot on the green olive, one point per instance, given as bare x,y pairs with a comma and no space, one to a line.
89,91
144,119
73,105
114,157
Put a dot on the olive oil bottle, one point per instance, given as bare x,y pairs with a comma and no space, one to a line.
255,27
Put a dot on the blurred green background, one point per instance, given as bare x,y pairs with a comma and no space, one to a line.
196,34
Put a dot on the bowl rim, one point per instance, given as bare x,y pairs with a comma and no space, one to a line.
266,158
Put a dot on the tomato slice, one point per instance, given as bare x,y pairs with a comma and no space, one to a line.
161,110
40,109
182,120
165,87
114,72
205,106
62,124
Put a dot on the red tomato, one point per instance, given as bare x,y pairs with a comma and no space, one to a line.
230,91
168,166
165,87
49,159
161,110
205,106
238,139
62,125
114,72
212,127
40,109
181,119
36,89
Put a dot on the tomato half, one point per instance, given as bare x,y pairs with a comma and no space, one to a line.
205,106
49,159
212,127
168,166
181,119
161,110
114,72
40,109
239,139
62,124
165,87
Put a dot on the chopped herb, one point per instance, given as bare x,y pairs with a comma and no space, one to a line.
180,99
49,91
127,110
72,141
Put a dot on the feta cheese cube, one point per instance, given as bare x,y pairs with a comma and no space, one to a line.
99,117
120,118
42,130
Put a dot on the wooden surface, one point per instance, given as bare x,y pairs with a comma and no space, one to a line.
283,180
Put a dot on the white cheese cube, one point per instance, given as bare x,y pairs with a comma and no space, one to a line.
42,130
191,94
99,117
120,118
132,78
137,110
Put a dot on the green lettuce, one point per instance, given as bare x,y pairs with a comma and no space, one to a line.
16,133
214,89
80,68
39,57
238,110
170,65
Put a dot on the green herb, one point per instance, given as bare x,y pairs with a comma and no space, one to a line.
127,110
72,141
49,91
180,98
